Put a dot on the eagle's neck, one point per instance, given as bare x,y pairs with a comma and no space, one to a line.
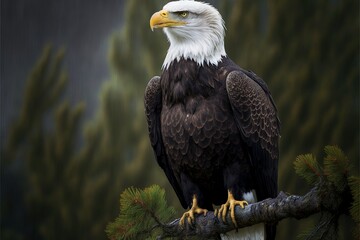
184,80
200,48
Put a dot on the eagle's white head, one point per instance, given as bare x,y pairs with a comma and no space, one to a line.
195,31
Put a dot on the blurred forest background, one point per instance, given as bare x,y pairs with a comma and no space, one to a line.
62,172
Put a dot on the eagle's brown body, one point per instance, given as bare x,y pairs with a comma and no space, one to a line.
212,132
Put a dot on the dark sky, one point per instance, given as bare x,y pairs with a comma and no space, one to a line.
83,27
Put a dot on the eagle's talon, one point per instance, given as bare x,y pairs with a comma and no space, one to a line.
230,204
187,215
190,215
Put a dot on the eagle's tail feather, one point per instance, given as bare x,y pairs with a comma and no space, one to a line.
256,232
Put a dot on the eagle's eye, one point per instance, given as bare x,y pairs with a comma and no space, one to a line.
183,14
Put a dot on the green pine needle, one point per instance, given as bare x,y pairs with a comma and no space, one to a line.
335,169
336,166
354,183
307,167
141,212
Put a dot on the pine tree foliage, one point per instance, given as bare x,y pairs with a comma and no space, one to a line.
335,167
42,142
335,170
354,183
44,86
142,213
307,167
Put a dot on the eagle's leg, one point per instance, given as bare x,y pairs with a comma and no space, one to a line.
190,215
230,204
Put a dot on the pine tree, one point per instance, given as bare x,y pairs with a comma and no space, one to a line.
41,156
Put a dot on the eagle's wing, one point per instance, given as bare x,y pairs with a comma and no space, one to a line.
256,116
153,104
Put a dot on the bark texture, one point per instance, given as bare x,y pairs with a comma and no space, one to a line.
322,198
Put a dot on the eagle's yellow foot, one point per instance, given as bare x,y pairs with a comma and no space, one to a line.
190,215
230,204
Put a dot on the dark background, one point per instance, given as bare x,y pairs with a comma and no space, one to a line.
73,132
83,28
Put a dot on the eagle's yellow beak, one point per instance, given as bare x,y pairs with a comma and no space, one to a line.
162,19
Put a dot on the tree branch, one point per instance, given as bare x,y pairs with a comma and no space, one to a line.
333,193
320,198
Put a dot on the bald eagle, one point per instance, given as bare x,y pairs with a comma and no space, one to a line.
213,125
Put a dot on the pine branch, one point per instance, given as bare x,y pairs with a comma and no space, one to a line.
144,212
141,213
319,199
